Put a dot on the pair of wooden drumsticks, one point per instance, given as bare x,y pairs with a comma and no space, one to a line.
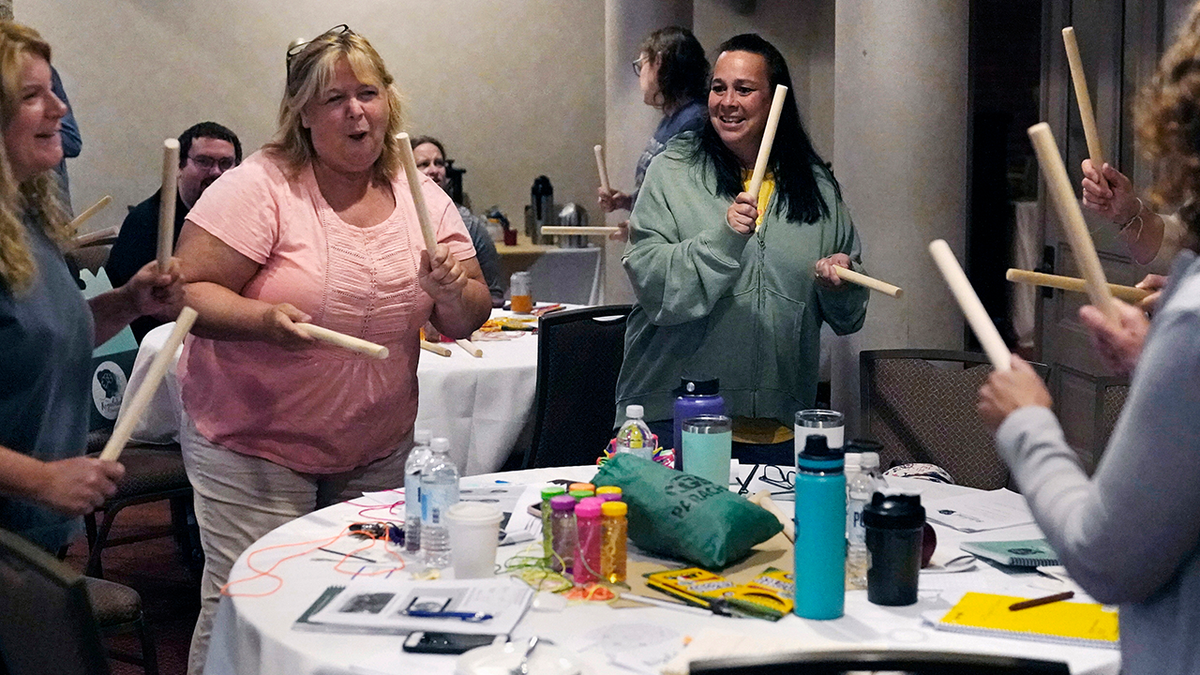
187,317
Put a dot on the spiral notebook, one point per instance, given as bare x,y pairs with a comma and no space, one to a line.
1076,623
1019,553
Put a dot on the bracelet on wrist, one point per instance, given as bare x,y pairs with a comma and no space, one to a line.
1136,216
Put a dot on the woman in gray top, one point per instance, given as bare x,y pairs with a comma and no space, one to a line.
1130,534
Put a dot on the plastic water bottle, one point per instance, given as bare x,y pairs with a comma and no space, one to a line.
439,491
634,436
860,485
412,489
820,531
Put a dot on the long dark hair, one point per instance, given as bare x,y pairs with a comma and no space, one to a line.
682,66
793,160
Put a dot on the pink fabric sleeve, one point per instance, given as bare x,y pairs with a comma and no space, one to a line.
241,210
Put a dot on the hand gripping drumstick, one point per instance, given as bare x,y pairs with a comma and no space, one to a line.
166,206
603,170
976,315
1071,218
867,282
1126,293
764,150
345,341
141,397
414,186
92,210
1083,98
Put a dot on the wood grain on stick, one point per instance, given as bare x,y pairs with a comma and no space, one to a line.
418,196
1086,114
764,148
601,168
971,307
344,341
868,282
141,398
166,205
470,347
91,211
1126,293
435,348
1071,218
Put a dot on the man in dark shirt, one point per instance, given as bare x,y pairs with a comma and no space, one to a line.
206,151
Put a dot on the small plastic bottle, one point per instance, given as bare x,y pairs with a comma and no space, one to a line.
562,532
412,489
609,493
635,436
612,548
589,535
549,492
860,485
581,486
439,491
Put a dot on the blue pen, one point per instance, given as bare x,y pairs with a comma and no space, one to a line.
472,617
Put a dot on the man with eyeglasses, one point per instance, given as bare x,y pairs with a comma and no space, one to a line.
206,151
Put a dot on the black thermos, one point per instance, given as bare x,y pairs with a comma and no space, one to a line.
895,524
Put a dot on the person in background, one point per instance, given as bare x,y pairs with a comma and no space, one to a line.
1130,534
430,156
72,141
672,73
318,226
47,329
732,284
206,150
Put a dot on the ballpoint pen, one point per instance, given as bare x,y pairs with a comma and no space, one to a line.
473,617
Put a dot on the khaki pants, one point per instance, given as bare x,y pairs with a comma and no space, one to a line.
239,499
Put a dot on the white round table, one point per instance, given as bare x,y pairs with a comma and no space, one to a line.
255,635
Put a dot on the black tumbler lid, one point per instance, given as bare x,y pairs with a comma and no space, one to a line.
818,456
894,512
698,386
864,445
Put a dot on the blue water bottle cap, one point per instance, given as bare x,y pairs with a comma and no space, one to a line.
818,456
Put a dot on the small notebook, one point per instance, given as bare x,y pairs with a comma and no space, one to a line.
1077,623
1021,553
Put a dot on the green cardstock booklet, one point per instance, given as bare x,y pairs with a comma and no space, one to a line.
1021,553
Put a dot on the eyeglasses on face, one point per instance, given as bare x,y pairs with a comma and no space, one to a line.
208,163
336,31
637,65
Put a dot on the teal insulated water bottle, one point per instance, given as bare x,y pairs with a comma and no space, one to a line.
820,531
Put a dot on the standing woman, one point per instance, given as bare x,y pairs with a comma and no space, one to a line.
730,284
673,76
318,226
47,330
1130,534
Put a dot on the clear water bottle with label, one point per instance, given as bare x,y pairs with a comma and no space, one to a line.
634,436
412,488
439,491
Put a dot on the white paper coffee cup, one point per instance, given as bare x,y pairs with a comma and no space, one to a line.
474,534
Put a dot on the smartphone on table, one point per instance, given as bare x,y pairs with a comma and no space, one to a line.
430,642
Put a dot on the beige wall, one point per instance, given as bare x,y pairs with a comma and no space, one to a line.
515,89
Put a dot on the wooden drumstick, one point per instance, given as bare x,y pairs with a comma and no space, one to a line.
435,348
414,186
92,210
345,341
1126,293
601,168
93,237
586,230
867,282
141,398
763,499
470,348
1083,98
968,301
166,205
764,149
1071,218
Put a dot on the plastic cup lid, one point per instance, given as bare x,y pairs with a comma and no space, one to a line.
473,512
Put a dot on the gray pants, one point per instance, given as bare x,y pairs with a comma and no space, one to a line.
239,499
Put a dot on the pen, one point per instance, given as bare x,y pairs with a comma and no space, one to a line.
347,555
473,617
1036,602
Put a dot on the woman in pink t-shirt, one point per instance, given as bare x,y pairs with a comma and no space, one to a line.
319,227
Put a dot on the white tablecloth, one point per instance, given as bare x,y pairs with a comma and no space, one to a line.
254,635
483,405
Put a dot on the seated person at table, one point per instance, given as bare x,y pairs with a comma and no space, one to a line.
319,226
47,329
1130,535
206,151
737,290
430,155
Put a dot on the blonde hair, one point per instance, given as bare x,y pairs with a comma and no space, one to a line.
36,197
309,72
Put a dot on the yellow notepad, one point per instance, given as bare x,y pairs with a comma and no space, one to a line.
1079,623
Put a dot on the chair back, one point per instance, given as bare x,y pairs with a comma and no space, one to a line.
46,620
1110,400
914,662
579,357
920,404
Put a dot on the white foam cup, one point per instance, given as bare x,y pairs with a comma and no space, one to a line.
474,534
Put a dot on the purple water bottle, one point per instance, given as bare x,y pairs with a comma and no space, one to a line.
695,396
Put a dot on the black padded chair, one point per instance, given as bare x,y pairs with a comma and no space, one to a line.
914,662
579,356
46,620
920,404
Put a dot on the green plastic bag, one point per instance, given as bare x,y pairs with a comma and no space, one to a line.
686,517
